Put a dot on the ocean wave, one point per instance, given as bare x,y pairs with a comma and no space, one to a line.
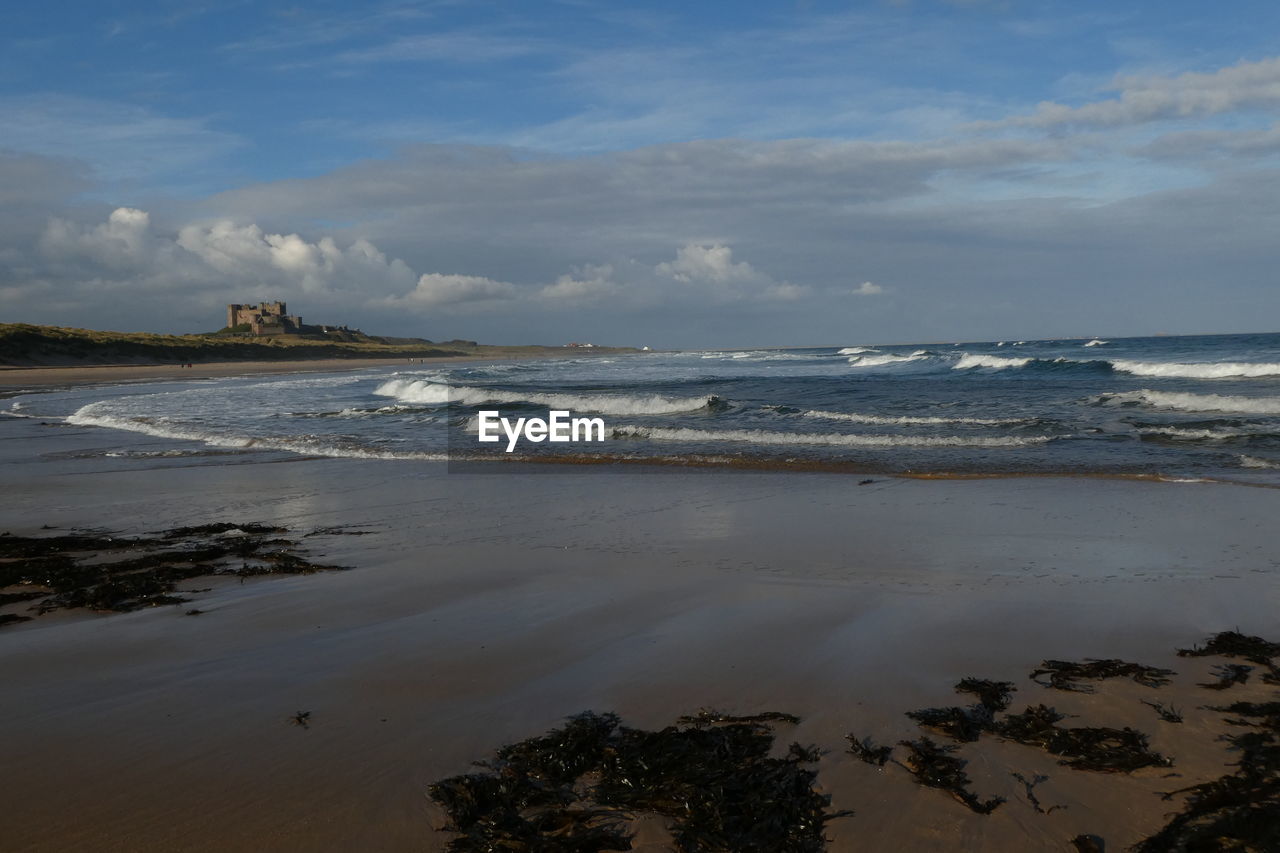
854,417
1186,434
997,362
1096,342
884,359
757,436
1198,370
434,393
1258,462
856,350
357,412
1185,402
304,445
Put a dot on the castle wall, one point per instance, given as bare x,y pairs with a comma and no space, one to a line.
267,318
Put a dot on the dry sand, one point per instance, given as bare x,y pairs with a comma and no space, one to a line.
484,608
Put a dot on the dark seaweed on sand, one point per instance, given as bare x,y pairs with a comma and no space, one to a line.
967,724
934,766
106,572
1238,811
995,695
1029,786
576,787
1228,675
867,751
1086,748
1067,675
1096,748
1168,713
1233,644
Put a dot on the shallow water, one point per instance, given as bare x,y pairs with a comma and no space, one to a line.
1178,407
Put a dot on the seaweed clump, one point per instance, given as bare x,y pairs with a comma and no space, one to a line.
1067,675
934,766
967,724
1097,748
1237,811
1100,749
575,788
1168,713
106,572
1228,675
868,752
1233,644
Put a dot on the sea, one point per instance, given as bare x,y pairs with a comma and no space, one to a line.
1188,408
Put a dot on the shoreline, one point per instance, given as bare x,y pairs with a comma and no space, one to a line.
36,379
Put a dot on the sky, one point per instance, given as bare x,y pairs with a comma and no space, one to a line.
668,174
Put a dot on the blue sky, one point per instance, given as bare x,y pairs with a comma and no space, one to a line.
664,173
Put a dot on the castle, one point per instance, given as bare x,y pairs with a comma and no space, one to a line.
269,318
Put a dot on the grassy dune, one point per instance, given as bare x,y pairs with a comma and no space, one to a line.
24,345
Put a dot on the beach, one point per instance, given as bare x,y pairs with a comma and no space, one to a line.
481,609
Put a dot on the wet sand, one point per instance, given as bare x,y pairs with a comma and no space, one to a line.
484,608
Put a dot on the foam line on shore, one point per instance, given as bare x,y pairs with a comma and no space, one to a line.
438,393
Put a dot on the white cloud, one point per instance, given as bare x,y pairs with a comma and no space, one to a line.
436,290
1247,85
696,262
712,269
867,288
245,251
203,264
121,242
587,284
786,292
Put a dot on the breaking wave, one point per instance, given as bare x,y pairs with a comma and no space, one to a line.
309,446
856,350
435,393
997,362
1185,434
1185,402
854,417
1258,462
1096,342
757,436
885,358
1201,370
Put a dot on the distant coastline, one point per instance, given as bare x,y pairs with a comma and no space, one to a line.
30,346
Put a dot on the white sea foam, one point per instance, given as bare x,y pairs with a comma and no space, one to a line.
857,418
996,362
1258,462
758,436
90,415
884,359
1096,342
856,350
1185,434
435,393
1183,402
1201,370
